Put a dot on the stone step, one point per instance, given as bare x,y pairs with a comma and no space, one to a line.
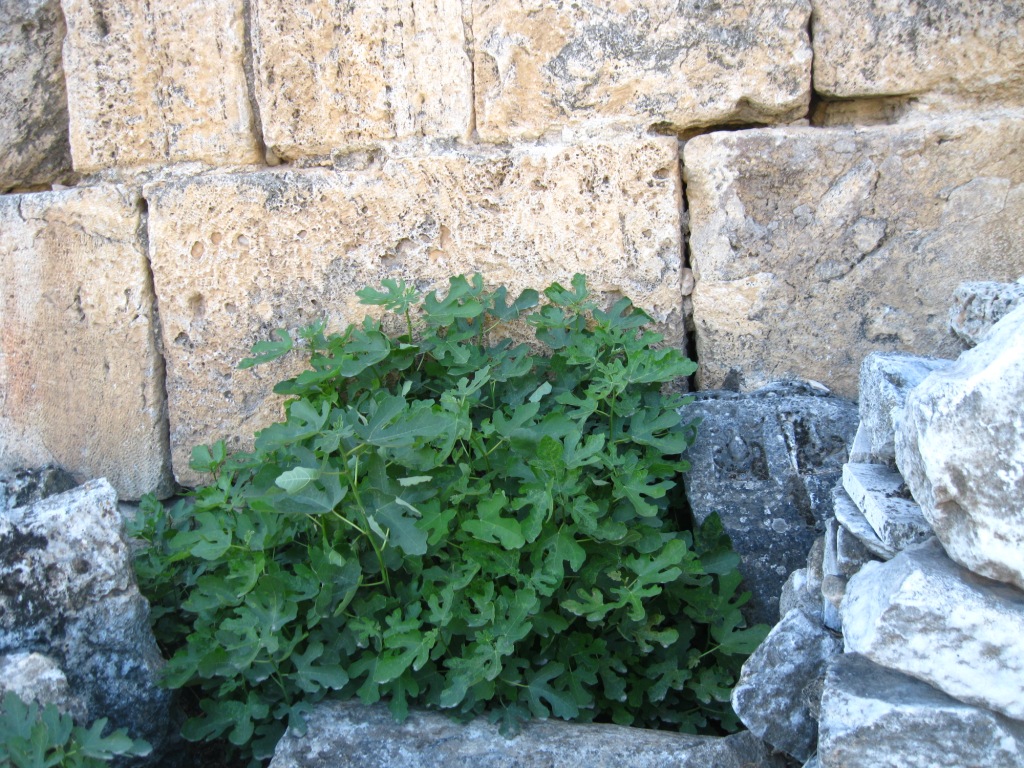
882,497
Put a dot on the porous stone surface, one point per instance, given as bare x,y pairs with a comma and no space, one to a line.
67,590
923,615
957,47
599,66
876,718
960,446
33,104
81,380
977,306
157,83
886,379
766,462
352,735
774,692
237,255
853,521
879,224
881,495
342,75
26,486
39,678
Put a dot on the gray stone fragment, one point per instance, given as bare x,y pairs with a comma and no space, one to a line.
767,462
352,735
812,763
860,451
35,677
875,718
977,306
775,693
67,590
883,498
797,594
851,554
886,379
26,486
853,521
960,446
923,615
833,589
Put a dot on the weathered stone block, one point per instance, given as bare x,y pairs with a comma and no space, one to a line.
353,735
873,717
157,83
596,66
235,256
766,462
980,305
814,247
923,615
960,446
344,75
67,590
772,695
33,104
853,521
878,48
881,495
81,380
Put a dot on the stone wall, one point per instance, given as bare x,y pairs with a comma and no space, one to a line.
787,185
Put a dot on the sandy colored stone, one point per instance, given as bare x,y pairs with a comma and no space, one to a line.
343,75
671,65
813,247
237,255
885,48
81,381
33,105
157,83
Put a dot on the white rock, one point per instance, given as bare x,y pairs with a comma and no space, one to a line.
977,306
36,677
854,522
882,497
925,616
960,446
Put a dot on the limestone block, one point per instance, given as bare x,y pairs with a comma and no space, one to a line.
798,593
771,696
37,677
873,717
854,522
851,554
923,615
235,256
879,48
833,590
977,306
33,104
596,66
344,75
353,735
886,379
67,590
81,379
960,445
766,462
157,83
814,247
882,496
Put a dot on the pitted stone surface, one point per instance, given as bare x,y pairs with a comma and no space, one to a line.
33,104
81,380
235,256
978,306
342,75
878,223
956,47
598,66
39,678
157,83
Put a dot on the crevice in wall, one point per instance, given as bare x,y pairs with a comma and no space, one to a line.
469,37
689,329
269,158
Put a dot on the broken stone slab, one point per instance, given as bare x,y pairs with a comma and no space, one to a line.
883,498
766,463
68,591
798,236
158,84
33,104
594,67
886,378
923,615
343,76
851,554
977,306
81,378
854,522
871,48
798,593
960,446
873,717
237,255
833,590
774,694
353,735
36,677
